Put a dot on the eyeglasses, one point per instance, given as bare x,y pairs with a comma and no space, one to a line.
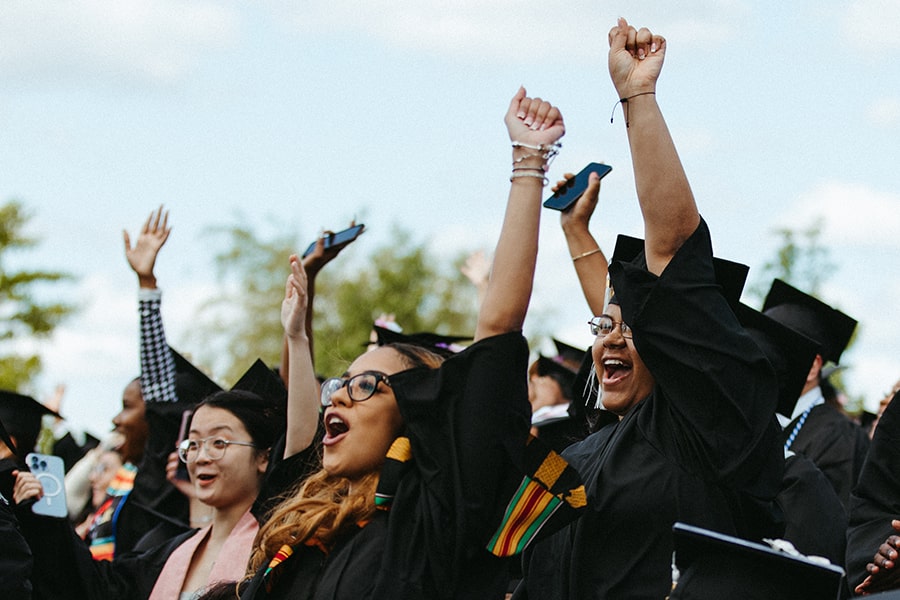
189,450
604,325
359,387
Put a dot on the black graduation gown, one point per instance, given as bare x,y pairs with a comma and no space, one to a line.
467,423
876,498
64,563
15,556
702,449
815,520
835,444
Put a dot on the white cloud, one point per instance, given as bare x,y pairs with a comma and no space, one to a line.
145,40
884,112
861,20
524,31
853,213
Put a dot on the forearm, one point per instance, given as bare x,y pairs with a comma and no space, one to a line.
590,265
510,284
303,396
667,203
157,363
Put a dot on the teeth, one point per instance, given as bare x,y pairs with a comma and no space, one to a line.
335,419
613,363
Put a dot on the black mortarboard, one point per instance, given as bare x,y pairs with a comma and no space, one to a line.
811,317
568,355
262,381
21,415
790,352
564,376
730,275
714,566
440,344
191,384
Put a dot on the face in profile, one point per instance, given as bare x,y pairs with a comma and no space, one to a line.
624,379
224,475
359,434
131,423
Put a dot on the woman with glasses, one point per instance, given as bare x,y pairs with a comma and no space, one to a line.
420,458
227,452
695,439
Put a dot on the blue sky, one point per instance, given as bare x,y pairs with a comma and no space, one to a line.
303,115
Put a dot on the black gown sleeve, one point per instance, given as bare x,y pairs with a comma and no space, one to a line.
15,559
876,499
714,400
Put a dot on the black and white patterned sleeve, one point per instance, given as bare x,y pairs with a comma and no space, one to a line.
157,364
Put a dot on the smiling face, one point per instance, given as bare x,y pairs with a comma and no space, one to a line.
233,480
102,473
624,379
359,434
131,422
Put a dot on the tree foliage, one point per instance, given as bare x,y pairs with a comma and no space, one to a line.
22,314
400,278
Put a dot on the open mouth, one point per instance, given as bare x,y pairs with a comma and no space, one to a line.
335,429
614,371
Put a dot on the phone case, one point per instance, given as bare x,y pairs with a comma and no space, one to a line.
566,196
51,472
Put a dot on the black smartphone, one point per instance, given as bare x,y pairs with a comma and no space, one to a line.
567,195
181,471
340,238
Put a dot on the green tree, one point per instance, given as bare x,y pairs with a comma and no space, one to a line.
800,260
400,278
22,313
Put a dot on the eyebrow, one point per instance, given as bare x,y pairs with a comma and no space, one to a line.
215,429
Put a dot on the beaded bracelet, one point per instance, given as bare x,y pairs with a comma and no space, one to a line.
533,173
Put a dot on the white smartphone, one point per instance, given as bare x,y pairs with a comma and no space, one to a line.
50,471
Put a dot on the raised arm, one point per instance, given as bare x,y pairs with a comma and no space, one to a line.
157,364
303,389
534,127
587,257
313,263
667,203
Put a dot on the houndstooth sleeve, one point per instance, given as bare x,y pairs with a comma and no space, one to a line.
157,364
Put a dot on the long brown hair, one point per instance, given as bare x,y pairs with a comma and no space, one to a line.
322,507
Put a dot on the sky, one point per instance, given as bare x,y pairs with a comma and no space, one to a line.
298,116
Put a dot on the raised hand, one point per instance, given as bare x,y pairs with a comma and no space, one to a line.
293,308
533,121
321,256
579,215
27,487
635,59
142,256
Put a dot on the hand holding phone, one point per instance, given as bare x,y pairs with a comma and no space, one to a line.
50,472
563,198
334,240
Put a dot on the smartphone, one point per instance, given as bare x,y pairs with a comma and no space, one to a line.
50,471
181,471
566,196
340,238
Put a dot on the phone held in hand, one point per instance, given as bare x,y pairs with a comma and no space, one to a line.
181,471
341,238
50,472
566,196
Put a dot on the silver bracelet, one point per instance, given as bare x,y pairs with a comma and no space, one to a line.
537,174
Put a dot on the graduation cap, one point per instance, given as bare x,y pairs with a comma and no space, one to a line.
790,352
191,384
713,566
262,381
730,275
570,356
811,317
21,416
444,345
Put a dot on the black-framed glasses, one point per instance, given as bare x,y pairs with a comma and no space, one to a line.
189,450
359,387
604,325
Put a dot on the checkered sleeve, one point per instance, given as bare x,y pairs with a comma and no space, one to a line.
157,364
